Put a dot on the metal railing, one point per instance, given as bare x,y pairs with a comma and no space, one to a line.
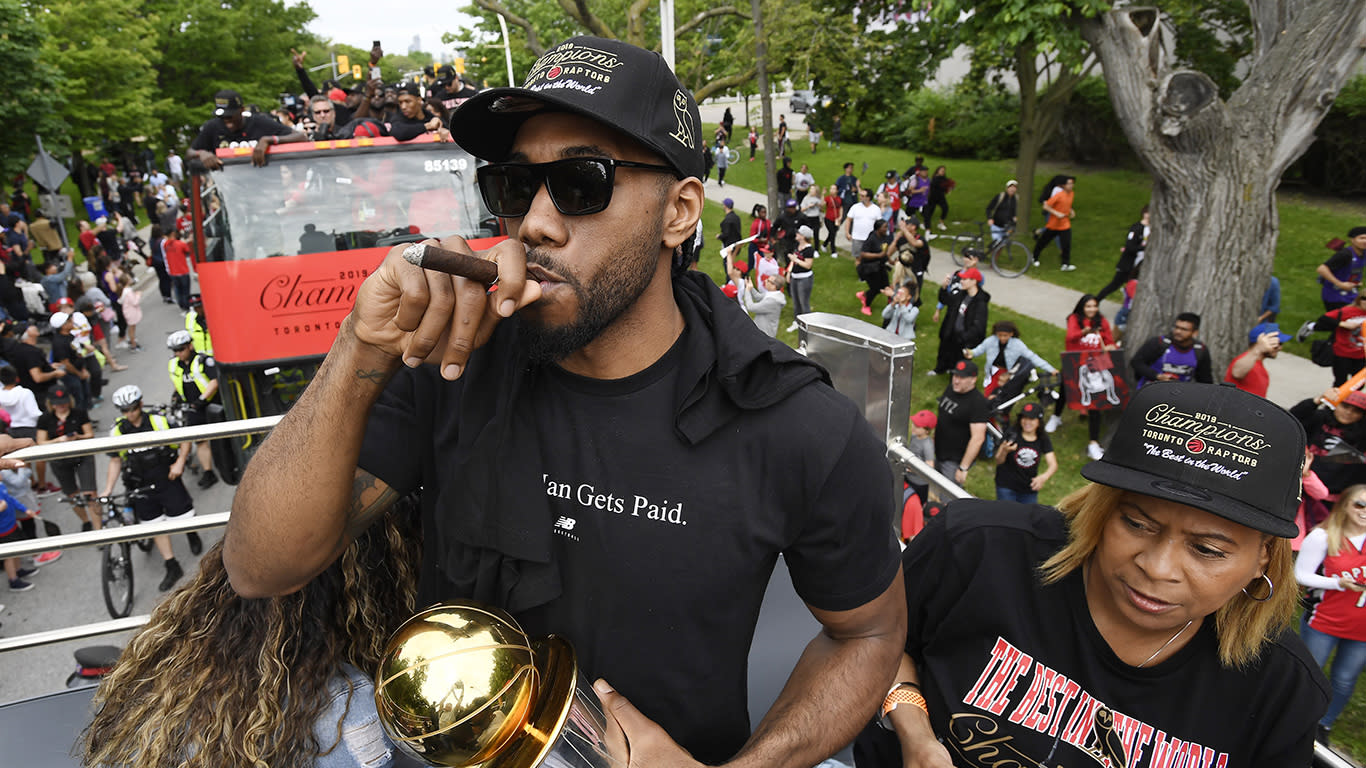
98,445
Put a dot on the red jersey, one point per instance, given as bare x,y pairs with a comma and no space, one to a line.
1337,614
177,256
832,207
1256,381
1079,339
1347,341
87,239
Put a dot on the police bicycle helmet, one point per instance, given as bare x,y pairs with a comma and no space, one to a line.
178,339
127,395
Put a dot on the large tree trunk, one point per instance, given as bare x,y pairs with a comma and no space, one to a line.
765,109
1216,165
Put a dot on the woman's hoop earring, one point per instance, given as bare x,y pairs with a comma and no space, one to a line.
1270,590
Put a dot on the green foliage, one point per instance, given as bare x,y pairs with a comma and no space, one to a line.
207,45
1336,161
959,122
1089,132
107,54
29,106
1212,36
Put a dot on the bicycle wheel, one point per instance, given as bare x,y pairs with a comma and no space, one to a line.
732,156
144,544
1011,259
116,579
956,244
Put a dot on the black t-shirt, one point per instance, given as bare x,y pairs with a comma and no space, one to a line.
1022,464
62,350
404,128
784,181
25,357
956,414
1016,673
73,424
657,575
215,134
874,246
809,252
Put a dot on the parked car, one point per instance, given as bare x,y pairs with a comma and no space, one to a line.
801,101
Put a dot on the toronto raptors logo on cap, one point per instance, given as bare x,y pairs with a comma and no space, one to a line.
1195,445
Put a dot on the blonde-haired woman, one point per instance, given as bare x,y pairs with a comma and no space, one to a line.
1147,624
1332,563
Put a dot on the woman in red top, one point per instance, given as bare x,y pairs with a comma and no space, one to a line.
1087,331
759,228
834,211
1349,356
1332,564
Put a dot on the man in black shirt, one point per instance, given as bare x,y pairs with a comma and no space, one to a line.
411,120
66,359
784,179
596,166
785,230
231,125
30,362
962,427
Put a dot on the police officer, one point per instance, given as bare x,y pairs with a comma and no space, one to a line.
194,377
198,326
154,470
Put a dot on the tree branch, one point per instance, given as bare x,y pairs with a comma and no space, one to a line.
727,10
533,41
721,84
635,23
578,11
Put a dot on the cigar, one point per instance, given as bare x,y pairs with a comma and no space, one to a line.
451,262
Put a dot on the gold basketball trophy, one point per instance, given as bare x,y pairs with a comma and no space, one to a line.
460,684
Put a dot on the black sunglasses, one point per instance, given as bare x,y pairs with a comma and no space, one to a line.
578,186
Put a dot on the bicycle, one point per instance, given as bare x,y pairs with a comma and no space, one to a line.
116,560
732,156
1009,257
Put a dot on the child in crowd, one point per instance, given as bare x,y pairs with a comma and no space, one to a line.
1017,459
11,533
131,301
922,445
900,313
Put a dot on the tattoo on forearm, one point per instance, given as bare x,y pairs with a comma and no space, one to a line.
371,375
370,498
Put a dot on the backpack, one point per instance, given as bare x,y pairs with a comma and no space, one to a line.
994,204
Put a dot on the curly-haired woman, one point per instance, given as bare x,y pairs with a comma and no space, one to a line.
215,679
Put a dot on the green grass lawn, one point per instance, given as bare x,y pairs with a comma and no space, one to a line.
1107,204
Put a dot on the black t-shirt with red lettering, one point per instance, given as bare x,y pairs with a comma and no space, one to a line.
1016,672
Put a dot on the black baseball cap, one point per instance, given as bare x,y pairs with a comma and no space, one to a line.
409,87
628,88
1031,411
1212,447
59,395
227,102
964,368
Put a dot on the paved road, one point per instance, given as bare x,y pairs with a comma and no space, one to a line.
67,592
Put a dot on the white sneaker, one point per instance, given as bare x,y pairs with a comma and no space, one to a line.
792,328
1068,268
1305,330
1054,422
942,228
1094,451
1036,262
932,372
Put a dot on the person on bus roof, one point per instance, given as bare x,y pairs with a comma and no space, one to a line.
232,125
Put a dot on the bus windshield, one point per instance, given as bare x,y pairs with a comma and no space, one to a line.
320,202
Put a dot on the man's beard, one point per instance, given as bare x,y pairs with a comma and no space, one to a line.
612,290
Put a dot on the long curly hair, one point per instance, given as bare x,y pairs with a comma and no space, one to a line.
215,679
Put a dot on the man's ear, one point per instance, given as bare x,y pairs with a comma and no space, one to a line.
682,211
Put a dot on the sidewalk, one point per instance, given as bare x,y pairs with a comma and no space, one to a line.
1292,378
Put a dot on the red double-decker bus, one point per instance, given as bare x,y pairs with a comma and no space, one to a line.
281,250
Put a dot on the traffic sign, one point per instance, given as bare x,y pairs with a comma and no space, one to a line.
47,172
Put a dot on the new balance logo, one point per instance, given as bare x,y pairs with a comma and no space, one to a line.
565,526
